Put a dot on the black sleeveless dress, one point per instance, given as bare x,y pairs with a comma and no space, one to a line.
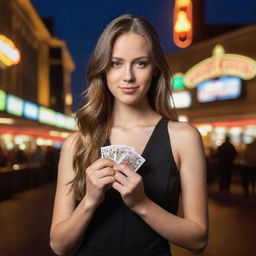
115,230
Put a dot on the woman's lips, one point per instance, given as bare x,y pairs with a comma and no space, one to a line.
129,90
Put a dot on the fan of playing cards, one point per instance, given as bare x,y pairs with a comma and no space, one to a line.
123,154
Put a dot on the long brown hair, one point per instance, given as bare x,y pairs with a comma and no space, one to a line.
94,119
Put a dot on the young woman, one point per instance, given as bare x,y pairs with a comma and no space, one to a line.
104,208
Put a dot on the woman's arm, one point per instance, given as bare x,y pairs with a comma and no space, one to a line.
191,231
70,223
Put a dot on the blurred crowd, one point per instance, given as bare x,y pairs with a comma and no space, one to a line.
229,163
42,156
225,164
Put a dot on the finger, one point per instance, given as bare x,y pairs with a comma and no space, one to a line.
108,171
101,183
117,186
126,170
122,179
102,163
106,180
95,175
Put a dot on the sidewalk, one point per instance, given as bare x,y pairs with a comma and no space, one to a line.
232,224
25,222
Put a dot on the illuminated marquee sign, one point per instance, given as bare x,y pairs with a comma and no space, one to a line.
182,20
2,100
46,115
60,120
14,105
51,117
182,99
23,108
9,54
30,110
177,82
221,88
220,64
70,123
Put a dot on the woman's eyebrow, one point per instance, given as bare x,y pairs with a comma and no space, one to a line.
141,57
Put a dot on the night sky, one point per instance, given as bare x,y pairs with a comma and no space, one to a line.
80,22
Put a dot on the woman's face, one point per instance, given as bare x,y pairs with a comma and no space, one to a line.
130,73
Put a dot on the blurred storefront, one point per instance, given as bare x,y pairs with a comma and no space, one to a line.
35,78
25,125
215,87
35,95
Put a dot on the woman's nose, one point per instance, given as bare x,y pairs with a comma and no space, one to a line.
128,75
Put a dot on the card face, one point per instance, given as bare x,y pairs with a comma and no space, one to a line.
123,154
105,151
121,150
112,153
126,158
138,161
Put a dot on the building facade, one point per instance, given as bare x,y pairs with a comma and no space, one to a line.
46,65
35,89
218,77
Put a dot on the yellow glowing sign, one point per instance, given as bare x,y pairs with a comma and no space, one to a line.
69,99
9,54
220,64
183,24
183,3
182,30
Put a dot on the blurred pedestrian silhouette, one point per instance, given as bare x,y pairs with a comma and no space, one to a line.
3,158
226,154
50,162
19,156
248,171
36,156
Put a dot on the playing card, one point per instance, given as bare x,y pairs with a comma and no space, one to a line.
133,160
114,152
126,158
123,154
104,151
138,160
108,152
121,150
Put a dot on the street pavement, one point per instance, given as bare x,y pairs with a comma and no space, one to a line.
232,224
25,222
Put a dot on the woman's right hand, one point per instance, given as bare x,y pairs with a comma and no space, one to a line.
99,177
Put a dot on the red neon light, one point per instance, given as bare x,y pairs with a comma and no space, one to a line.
230,123
33,133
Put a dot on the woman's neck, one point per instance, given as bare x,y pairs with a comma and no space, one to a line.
130,115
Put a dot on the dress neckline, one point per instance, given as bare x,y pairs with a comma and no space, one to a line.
148,141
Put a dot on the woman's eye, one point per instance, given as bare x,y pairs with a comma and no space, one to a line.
115,63
141,63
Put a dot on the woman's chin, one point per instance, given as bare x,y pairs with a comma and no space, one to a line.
130,102
131,99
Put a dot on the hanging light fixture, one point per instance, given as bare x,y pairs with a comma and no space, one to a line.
182,23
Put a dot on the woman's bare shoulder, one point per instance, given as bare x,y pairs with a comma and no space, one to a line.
69,142
187,144
183,129
183,135
66,156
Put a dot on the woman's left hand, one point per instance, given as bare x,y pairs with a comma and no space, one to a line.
130,185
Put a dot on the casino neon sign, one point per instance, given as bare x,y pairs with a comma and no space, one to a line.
9,54
220,64
182,20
